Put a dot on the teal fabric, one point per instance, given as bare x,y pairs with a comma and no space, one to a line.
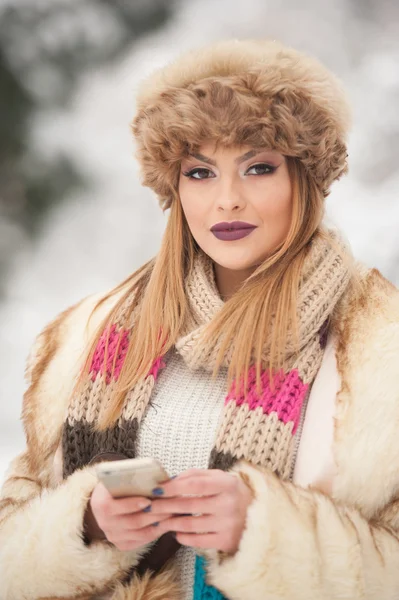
202,591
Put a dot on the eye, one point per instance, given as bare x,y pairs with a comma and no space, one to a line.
190,174
262,169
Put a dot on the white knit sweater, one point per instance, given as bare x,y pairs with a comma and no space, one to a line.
179,429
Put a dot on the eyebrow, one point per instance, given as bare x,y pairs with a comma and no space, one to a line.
238,160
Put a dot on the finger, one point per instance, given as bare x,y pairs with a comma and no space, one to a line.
128,505
189,472
183,505
210,483
136,522
131,540
195,540
202,524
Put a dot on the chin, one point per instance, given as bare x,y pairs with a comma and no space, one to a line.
233,261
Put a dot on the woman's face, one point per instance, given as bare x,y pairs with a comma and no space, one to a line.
248,189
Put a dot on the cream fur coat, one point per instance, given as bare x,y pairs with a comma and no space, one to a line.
300,542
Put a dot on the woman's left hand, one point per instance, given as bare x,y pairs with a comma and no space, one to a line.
222,499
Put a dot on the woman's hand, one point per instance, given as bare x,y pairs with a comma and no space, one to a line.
221,498
123,520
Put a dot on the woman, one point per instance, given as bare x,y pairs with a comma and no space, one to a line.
252,356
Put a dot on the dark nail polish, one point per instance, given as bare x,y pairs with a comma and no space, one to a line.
157,491
147,508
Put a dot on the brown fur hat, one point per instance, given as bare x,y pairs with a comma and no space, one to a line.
236,92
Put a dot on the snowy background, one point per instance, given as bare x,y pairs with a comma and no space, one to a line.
73,216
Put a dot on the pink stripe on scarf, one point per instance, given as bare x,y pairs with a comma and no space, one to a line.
286,399
97,365
158,364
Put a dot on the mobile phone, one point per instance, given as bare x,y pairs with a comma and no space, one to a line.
131,477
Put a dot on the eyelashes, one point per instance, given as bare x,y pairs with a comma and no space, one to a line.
190,174
268,170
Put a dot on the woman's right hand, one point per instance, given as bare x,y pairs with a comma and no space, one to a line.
122,521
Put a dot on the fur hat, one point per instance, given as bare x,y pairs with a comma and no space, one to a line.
254,92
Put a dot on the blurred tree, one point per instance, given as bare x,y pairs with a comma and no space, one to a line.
44,48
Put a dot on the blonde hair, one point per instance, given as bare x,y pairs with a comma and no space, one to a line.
265,305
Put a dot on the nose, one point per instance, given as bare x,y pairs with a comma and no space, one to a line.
229,197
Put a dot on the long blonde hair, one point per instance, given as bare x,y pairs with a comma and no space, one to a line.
245,319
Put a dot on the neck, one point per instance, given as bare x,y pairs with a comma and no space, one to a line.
229,281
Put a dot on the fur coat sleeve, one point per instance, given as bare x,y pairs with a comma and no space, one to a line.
42,552
303,544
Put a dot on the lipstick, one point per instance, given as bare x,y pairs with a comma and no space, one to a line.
232,231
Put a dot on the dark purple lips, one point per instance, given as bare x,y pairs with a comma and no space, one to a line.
232,231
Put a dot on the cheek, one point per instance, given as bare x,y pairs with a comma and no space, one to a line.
275,206
194,209
193,215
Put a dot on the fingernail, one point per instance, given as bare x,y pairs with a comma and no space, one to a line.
157,491
156,524
173,477
147,508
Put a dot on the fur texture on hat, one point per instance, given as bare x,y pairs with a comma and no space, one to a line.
235,92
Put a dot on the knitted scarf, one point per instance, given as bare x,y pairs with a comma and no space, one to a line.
259,428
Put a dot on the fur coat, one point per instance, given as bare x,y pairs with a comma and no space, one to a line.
299,541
